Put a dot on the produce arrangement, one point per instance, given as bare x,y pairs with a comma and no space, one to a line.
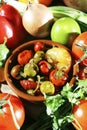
59,74
41,68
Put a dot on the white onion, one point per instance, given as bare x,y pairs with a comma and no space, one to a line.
37,20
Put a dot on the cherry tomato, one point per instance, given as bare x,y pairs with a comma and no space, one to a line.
44,67
45,2
83,73
11,114
79,44
58,78
24,57
39,46
80,115
28,84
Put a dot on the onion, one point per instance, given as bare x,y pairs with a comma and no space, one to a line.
37,20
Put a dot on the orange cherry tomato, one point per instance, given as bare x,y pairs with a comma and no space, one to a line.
45,2
58,77
39,46
44,67
28,84
24,57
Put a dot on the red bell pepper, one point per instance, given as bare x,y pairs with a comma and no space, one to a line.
11,26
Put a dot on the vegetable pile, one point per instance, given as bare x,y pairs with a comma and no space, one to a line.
46,70
43,69
69,106
66,109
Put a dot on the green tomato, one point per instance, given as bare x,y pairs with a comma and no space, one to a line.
62,28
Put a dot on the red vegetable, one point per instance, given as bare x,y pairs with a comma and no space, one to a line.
11,26
45,2
44,67
83,73
28,84
58,78
39,46
78,46
80,114
8,119
24,57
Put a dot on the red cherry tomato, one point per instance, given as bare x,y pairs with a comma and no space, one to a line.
83,73
39,46
28,84
80,115
8,119
45,2
24,57
58,78
11,26
77,50
44,67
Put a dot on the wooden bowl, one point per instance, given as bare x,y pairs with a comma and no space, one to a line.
12,60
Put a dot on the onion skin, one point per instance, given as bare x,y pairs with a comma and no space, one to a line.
37,20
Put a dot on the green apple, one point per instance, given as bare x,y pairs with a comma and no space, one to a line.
62,28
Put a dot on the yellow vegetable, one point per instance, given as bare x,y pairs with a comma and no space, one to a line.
24,1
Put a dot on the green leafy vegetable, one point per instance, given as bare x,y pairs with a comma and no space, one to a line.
58,114
59,107
4,51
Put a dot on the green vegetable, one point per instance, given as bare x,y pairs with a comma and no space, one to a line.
44,122
30,69
59,107
63,11
4,51
58,114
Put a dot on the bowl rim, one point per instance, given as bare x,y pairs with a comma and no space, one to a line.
18,92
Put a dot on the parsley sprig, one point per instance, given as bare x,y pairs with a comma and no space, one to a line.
59,107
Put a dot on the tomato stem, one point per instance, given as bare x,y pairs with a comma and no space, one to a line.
83,47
